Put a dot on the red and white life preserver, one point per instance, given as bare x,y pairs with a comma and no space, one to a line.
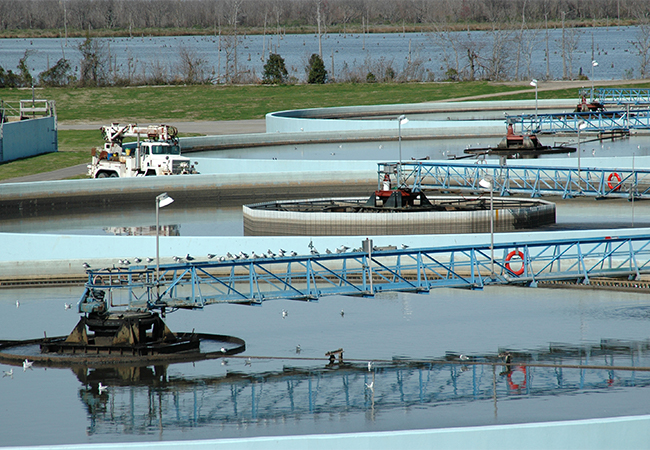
519,384
616,186
523,264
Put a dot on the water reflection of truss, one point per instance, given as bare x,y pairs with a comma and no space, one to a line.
147,399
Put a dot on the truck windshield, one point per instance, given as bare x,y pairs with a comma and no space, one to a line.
165,150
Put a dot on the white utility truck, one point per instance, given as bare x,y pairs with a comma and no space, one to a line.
158,153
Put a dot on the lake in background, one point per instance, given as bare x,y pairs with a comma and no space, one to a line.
611,48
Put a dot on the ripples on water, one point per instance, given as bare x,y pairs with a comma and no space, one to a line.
265,396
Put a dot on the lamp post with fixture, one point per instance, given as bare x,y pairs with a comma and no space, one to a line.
162,200
487,184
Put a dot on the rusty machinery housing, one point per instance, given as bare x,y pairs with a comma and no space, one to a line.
119,337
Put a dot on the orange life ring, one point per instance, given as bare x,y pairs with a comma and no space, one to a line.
618,181
523,264
514,385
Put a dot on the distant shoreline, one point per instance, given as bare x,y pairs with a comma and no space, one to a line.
299,29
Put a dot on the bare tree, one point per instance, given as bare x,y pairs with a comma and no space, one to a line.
642,44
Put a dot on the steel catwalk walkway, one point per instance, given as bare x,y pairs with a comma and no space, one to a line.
594,121
567,182
309,277
620,96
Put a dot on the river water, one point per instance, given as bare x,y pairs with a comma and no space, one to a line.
610,46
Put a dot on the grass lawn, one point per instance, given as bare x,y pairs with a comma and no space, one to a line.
153,104
195,103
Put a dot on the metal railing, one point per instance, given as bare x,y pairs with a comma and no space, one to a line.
567,182
309,277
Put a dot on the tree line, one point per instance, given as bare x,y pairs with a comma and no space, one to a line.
200,16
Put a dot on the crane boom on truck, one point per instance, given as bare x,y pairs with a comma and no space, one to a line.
158,153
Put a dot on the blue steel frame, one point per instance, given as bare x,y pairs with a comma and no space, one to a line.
535,181
620,96
596,121
309,277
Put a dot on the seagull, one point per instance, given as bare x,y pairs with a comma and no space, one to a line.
314,251
189,258
298,349
223,350
369,366
67,305
371,386
293,253
137,260
125,262
248,362
102,388
255,255
176,259
211,255
27,364
281,252
230,255
243,255
270,254
224,362
342,249
463,357
328,251
8,373
149,259
222,258
404,246
285,313
342,313
17,304
86,266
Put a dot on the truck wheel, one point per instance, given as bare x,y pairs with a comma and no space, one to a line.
101,175
114,175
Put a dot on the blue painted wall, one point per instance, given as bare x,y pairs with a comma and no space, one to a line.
29,137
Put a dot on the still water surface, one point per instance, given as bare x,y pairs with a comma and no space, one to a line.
283,396
291,396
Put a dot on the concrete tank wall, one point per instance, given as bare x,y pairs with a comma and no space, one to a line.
27,138
351,118
272,222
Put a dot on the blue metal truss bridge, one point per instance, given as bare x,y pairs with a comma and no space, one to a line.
633,113
535,181
366,273
620,96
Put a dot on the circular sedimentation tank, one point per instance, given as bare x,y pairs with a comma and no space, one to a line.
354,216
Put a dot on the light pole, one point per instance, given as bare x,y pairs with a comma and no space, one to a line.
594,63
581,126
534,83
485,184
401,120
161,201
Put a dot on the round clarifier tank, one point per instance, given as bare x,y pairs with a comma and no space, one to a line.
355,217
